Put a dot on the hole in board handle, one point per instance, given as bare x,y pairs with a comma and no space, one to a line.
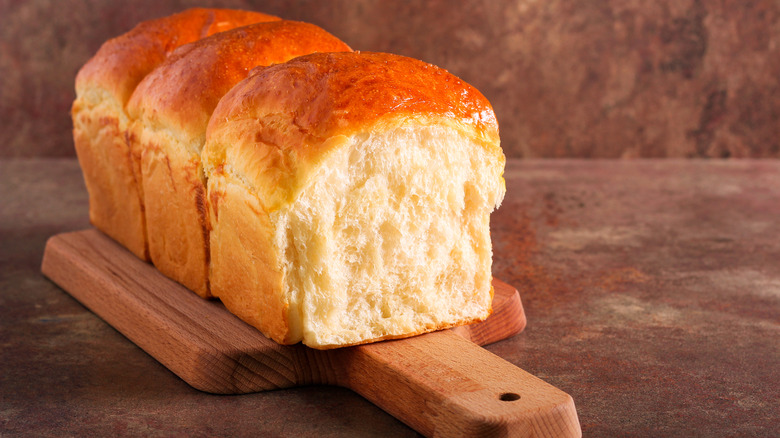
509,396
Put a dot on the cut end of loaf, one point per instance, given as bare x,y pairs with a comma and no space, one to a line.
391,238
351,196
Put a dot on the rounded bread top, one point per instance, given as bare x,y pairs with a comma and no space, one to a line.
273,128
122,62
327,94
181,93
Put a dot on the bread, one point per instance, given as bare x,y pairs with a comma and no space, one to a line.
349,199
332,199
169,112
103,87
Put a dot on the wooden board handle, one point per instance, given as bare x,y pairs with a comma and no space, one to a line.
443,385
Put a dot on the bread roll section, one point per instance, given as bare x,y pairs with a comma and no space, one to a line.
350,196
103,87
169,112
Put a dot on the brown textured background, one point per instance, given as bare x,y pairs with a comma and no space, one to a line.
611,78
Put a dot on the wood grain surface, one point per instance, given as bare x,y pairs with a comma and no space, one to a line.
441,384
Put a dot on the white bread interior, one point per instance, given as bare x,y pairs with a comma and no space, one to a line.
387,238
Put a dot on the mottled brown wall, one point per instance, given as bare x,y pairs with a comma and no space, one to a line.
567,78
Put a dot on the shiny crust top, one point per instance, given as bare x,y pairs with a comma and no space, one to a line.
184,90
272,129
122,62
327,94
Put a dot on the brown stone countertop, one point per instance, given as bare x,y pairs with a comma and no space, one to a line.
652,290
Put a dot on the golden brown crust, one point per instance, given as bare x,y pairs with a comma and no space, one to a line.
122,62
183,91
169,112
339,93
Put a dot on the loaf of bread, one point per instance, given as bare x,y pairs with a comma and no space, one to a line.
324,196
103,88
168,114
349,199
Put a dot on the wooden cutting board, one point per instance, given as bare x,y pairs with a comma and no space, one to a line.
441,384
